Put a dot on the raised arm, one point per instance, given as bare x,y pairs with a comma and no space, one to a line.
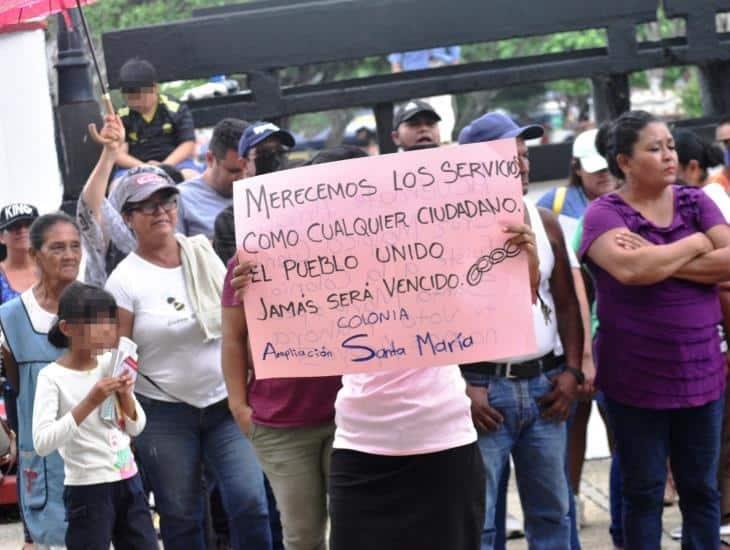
94,190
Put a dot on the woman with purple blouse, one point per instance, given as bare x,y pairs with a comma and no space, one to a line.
656,251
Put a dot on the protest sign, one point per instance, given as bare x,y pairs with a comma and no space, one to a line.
386,262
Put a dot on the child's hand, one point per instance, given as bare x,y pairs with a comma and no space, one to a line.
103,389
124,393
127,385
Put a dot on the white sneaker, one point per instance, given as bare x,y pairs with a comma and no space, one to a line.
513,528
580,512
676,534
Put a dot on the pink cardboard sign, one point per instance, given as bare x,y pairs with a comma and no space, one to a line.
387,262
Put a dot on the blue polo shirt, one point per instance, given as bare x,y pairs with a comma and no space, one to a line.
198,206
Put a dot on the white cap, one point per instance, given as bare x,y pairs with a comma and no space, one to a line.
584,149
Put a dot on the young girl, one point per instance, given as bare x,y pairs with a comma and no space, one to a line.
103,493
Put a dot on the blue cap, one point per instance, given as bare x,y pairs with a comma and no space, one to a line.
258,132
497,126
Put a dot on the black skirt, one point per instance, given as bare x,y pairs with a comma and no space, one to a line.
420,502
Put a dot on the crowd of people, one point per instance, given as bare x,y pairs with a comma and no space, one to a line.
629,269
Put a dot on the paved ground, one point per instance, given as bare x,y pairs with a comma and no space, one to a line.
11,532
594,489
593,537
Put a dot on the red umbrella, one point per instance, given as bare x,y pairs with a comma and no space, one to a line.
13,12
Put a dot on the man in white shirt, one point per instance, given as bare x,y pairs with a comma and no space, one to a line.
520,404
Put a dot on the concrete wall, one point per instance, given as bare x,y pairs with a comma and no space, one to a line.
29,169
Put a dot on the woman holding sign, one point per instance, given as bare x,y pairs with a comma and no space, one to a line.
168,292
657,251
405,471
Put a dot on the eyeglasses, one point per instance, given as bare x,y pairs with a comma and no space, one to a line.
150,208
17,226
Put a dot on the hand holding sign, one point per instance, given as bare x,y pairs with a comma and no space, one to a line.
524,238
410,260
122,366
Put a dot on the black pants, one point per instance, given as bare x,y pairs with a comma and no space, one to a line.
421,502
109,512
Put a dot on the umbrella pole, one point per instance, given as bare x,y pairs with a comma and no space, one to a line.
108,106
106,98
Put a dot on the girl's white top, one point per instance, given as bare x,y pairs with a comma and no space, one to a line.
96,451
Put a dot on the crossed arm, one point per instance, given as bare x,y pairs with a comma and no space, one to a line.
712,267
701,257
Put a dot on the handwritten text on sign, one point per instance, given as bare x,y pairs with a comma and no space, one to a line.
396,261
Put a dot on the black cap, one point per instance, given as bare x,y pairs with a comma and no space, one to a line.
17,212
137,73
412,109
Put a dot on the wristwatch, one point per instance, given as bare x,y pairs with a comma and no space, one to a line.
579,376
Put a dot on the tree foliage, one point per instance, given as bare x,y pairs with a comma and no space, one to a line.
107,15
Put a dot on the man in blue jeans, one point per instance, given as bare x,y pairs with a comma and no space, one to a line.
520,404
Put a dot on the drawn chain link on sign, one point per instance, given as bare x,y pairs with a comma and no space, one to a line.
488,261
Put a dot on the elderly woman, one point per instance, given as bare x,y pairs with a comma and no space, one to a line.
168,292
657,251
55,246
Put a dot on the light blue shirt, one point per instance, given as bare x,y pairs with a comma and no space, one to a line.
425,59
199,205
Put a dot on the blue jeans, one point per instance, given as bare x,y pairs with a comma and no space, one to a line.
174,447
572,513
537,446
614,494
103,513
690,438
500,515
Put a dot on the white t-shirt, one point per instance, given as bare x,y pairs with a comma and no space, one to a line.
547,338
94,451
40,319
404,412
719,196
171,345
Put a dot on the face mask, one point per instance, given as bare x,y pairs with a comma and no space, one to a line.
727,157
420,146
269,161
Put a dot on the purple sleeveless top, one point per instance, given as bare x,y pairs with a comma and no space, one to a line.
658,346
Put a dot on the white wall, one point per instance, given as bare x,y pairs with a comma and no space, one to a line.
28,163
